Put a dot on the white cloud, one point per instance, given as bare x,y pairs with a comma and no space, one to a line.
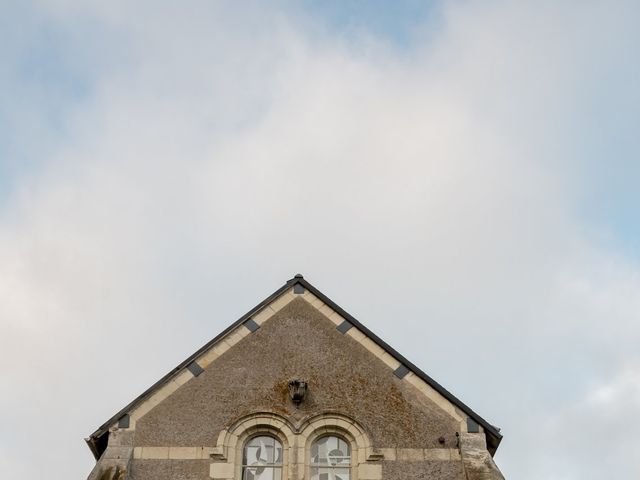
595,432
221,151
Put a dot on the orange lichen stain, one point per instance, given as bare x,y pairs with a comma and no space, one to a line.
281,389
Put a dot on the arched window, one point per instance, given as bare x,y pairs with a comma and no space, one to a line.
262,459
330,459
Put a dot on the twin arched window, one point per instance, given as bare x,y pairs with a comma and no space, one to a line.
330,459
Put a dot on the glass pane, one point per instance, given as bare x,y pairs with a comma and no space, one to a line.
328,473
330,451
262,473
262,450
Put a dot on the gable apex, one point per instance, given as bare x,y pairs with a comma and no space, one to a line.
345,323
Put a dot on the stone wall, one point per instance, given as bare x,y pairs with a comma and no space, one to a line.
398,428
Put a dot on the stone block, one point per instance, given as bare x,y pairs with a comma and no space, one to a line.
222,470
478,463
155,452
410,454
183,453
369,471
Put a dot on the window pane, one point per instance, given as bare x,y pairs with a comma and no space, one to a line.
325,473
330,451
262,450
330,459
262,473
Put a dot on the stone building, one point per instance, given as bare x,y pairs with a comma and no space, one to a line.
296,389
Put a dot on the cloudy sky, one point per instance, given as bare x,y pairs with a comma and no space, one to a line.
467,170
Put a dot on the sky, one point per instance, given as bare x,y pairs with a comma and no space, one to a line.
464,170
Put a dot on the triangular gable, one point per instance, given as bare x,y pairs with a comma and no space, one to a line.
251,321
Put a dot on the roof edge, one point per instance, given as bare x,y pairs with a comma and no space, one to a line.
104,428
490,429
494,437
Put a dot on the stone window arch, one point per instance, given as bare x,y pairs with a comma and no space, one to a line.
229,453
297,440
327,425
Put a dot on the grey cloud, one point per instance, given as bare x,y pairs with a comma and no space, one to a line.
222,153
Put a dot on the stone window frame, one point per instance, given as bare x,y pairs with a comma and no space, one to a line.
227,454
330,423
256,431
296,442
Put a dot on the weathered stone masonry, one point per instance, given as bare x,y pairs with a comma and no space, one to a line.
195,422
